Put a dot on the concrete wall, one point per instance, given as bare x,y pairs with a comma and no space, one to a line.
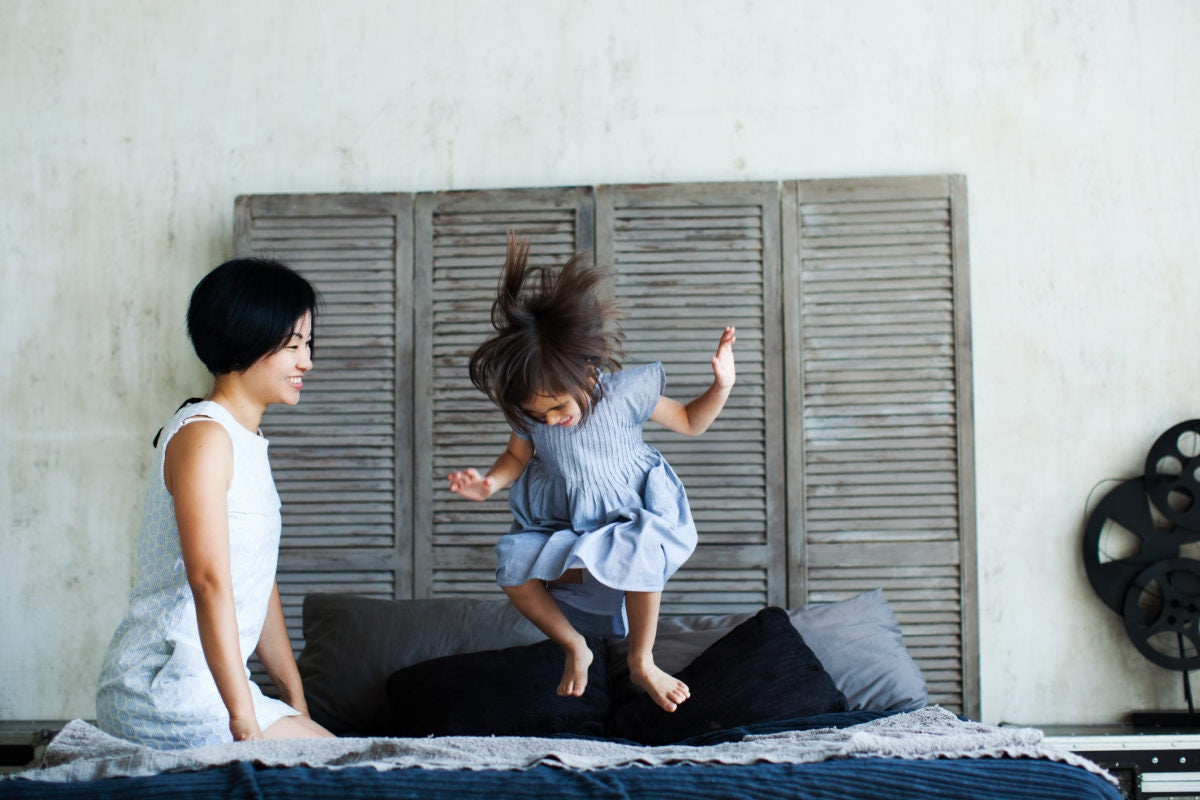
127,128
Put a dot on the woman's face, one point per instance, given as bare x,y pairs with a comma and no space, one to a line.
279,377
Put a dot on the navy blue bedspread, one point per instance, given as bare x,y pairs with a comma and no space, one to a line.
844,779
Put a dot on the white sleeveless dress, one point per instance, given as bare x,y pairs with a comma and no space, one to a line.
155,686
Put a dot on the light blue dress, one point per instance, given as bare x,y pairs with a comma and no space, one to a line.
155,687
598,498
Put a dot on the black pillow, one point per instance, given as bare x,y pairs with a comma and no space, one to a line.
508,692
761,670
353,643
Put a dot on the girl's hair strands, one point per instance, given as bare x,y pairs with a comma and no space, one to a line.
553,333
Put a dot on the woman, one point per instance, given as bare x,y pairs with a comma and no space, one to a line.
204,595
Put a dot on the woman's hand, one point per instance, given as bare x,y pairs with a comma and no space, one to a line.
724,371
245,729
471,485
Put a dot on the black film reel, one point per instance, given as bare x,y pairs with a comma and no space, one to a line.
1161,613
1127,506
1173,474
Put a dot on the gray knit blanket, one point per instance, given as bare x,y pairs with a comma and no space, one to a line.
83,752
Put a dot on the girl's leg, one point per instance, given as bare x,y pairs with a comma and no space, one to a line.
535,602
570,576
666,690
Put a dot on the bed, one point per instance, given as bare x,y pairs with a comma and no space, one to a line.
454,698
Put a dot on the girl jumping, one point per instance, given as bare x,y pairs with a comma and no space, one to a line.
600,520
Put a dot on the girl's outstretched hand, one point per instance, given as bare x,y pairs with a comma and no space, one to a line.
471,485
724,371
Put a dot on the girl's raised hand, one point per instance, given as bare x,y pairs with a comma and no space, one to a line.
471,485
724,371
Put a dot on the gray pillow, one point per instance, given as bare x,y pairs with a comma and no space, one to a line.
857,640
353,643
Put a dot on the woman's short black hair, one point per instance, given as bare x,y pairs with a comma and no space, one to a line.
246,309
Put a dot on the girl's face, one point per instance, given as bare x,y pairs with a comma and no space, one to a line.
553,409
279,377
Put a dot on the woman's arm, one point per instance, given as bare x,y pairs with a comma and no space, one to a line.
506,469
275,653
694,418
197,469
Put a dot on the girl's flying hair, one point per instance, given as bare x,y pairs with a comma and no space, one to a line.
553,334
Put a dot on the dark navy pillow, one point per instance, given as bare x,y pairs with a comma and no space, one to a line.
761,670
509,692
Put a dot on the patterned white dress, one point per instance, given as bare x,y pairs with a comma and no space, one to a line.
155,686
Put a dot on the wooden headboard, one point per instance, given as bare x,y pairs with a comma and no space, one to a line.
842,463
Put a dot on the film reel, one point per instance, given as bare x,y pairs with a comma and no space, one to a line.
1122,539
1173,474
1161,613
1141,555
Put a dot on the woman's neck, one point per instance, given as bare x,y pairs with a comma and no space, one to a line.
230,395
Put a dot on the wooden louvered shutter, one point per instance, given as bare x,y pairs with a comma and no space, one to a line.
688,260
341,458
879,397
460,247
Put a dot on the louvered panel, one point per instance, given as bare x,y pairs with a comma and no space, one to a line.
879,381
687,261
877,427
461,241
340,458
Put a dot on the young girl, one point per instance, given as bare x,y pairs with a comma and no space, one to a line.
204,594
601,521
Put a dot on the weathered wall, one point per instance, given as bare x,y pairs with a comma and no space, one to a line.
127,128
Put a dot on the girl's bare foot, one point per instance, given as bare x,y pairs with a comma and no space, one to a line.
575,671
665,690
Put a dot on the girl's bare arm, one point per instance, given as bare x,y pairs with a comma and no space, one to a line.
506,469
694,418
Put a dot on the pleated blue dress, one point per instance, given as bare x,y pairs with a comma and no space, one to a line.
596,497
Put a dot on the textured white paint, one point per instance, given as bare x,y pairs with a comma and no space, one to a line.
127,128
